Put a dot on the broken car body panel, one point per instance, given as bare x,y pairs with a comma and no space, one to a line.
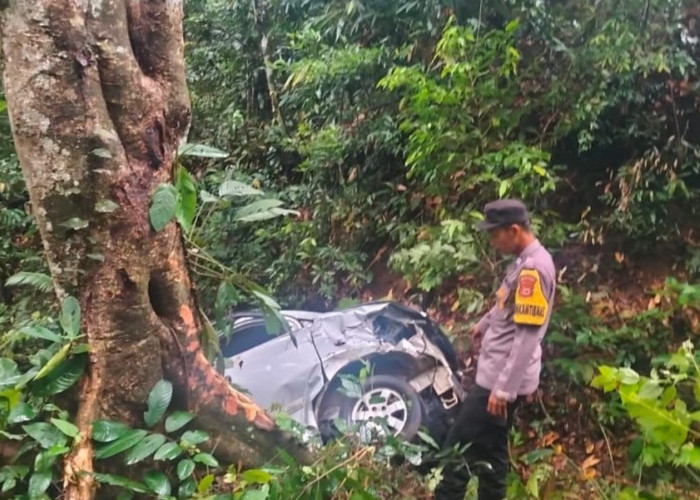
293,371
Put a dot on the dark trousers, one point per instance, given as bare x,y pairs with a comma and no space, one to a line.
487,440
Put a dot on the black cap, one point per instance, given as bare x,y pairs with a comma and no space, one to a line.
503,213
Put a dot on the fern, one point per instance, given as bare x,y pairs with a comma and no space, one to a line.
40,281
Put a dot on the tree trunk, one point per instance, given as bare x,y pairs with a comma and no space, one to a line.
260,14
98,104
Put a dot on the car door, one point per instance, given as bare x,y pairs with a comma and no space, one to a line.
277,371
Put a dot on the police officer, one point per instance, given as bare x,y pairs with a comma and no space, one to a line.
509,360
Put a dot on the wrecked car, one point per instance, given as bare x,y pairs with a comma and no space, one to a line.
314,371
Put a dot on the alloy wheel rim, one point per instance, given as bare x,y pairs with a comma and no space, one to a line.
380,410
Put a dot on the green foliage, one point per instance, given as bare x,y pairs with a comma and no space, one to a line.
581,340
27,385
434,255
158,402
177,420
463,119
186,207
201,151
665,406
163,206
399,116
40,281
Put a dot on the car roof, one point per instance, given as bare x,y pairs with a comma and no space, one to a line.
241,318
367,307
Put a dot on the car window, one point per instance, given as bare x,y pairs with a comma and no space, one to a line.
244,338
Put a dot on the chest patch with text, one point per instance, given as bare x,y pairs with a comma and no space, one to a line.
531,306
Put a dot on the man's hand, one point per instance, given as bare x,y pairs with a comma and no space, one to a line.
497,407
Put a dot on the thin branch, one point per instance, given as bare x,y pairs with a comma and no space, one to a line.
609,447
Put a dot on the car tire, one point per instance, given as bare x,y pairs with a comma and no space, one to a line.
389,399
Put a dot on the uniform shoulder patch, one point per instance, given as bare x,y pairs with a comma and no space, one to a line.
531,305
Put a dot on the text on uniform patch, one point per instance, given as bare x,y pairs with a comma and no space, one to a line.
531,305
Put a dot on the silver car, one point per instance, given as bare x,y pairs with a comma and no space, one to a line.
314,372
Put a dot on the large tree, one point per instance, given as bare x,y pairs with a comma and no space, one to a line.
98,104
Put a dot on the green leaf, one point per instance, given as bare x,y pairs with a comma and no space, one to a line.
206,459
536,456
201,150
651,389
70,316
39,483
607,379
628,376
8,484
350,387
10,378
236,188
22,380
47,459
194,437
177,420
187,199
256,476
264,493
256,207
40,281
157,482
65,427
185,468
512,26
158,402
205,484
428,440
21,412
55,360
105,431
130,439
144,449
169,451
266,215
120,482
75,223
8,368
45,434
187,488
266,301
207,197
106,206
163,206
39,332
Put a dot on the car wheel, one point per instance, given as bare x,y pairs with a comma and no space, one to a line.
388,405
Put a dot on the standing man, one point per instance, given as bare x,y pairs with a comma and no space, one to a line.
510,357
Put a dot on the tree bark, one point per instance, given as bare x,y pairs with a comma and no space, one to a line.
98,104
